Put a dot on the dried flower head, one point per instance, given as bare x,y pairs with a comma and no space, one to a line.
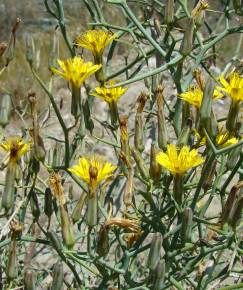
75,70
201,5
130,224
92,170
194,96
179,161
109,94
233,87
56,187
16,147
95,41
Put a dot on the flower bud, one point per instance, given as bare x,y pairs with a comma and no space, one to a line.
238,6
155,169
77,211
178,188
207,120
139,132
186,228
140,163
154,252
185,134
12,264
129,189
3,47
124,138
232,117
29,280
236,212
34,205
169,12
48,208
76,102
209,175
54,51
187,42
159,275
67,229
162,131
55,240
92,210
114,115
233,157
5,110
57,281
103,242
30,50
9,189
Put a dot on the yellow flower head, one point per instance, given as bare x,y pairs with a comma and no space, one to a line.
194,96
95,40
225,140
222,139
16,147
233,87
109,95
92,170
75,70
178,161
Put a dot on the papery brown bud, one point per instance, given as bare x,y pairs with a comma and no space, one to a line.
124,138
139,132
197,74
140,163
230,202
187,42
129,189
141,102
155,168
48,207
103,242
162,131
209,176
236,212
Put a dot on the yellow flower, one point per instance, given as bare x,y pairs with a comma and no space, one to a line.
194,96
222,139
16,147
95,40
75,70
109,95
178,161
233,87
92,170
